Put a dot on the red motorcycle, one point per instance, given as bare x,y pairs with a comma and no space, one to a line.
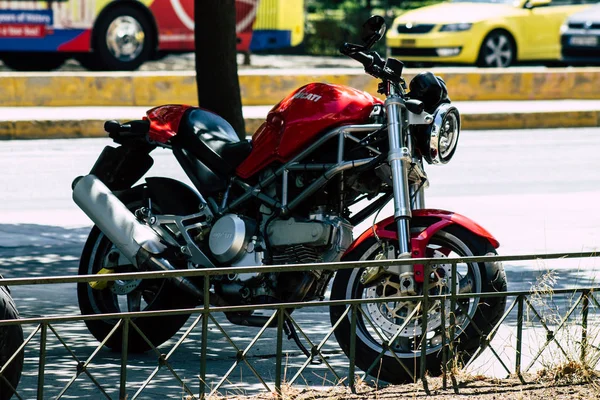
327,158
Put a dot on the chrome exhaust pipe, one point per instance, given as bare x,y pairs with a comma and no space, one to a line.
139,243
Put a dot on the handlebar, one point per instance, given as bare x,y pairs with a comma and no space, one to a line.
390,70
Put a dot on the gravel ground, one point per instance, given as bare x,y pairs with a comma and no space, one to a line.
480,388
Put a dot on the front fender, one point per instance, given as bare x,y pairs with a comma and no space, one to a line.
441,219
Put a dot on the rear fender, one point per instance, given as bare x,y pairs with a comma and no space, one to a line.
419,241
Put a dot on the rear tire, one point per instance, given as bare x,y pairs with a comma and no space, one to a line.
483,277
150,295
11,337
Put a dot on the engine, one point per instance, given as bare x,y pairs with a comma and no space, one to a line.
237,241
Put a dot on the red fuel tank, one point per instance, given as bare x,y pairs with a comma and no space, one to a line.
301,118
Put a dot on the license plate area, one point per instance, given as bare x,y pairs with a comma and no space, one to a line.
408,42
584,41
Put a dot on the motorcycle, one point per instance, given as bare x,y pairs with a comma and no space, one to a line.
327,158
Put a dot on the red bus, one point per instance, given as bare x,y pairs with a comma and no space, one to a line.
122,34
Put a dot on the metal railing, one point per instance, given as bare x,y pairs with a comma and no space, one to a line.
583,305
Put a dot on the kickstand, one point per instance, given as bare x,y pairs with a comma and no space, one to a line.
290,331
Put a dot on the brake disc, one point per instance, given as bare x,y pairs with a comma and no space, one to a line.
390,316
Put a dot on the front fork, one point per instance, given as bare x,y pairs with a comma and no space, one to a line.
399,158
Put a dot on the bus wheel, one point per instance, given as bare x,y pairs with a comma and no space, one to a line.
23,61
123,40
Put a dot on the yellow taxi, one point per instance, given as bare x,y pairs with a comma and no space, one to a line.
488,33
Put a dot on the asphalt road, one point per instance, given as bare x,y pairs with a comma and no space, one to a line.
537,191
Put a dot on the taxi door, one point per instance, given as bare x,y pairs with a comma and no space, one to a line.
543,26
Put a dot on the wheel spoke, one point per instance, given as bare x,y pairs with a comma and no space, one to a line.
403,344
502,41
506,55
490,59
134,301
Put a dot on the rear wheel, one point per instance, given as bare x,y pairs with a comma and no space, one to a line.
101,256
377,323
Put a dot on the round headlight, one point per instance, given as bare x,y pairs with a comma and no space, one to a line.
438,141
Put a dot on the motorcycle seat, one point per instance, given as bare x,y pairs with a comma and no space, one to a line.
212,140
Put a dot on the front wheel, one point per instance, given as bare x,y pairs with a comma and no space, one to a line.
11,338
101,256
377,323
497,51
123,39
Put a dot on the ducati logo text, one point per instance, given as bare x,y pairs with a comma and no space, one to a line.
308,96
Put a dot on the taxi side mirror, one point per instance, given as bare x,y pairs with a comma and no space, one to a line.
537,3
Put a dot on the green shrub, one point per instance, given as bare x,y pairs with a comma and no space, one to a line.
330,23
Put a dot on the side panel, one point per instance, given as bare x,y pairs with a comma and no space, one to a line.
66,25
43,26
175,22
173,196
387,227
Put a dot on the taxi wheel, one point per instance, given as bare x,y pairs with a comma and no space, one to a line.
123,39
497,51
22,61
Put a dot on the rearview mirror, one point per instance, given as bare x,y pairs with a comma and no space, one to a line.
373,30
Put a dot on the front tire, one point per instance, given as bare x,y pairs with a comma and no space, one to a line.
498,50
123,40
475,278
101,256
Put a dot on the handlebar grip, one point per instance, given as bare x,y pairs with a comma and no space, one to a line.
128,129
140,127
355,52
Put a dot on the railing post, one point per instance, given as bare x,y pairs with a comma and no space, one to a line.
424,321
519,349
444,347
42,361
352,366
204,338
451,355
278,357
124,351
584,325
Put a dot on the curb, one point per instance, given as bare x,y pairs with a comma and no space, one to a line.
270,86
72,129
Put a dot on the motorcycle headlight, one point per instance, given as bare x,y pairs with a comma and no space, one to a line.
438,141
